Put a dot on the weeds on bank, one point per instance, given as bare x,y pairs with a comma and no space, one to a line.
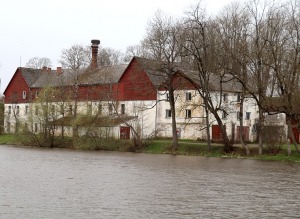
159,146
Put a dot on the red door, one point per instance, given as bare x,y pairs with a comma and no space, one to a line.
124,132
216,133
296,134
245,133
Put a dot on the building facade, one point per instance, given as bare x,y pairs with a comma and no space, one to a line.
116,99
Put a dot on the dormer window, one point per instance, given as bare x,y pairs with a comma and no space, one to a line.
24,94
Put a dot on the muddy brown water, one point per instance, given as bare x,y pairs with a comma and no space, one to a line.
56,183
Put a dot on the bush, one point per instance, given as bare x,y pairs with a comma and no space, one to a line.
274,137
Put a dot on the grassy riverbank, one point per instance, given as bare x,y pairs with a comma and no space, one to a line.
186,147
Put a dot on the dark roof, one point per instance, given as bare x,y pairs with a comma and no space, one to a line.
157,71
103,75
30,75
52,78
216,81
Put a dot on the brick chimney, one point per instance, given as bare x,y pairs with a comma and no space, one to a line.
44,68
49,70
95,45
58,70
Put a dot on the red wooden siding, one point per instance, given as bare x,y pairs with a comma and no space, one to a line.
14,90
135,84
181,83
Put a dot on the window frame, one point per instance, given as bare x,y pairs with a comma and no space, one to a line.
248,116
224,115
168,113
123,109
225,97
188,96
24,95
188,113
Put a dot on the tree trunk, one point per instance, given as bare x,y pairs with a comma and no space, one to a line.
241,118
207,129
174,128
227,145
260,137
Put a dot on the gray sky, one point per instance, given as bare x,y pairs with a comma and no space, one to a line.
43,28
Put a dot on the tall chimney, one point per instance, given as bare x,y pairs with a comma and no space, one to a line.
58,70
95,45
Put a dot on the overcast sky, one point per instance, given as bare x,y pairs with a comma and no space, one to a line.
42,28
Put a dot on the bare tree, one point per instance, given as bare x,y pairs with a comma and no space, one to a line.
163,43
38,62
283,43
136,50
232,28
108,56
75,58
202,46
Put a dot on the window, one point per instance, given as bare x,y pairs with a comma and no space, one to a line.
61,109
188,113
167,97
248,115
8,127
17,127
25,126
122,109
188,96
238,97
100,109
70,109
24,95
238,115
36,110
9,110
224,115
36,94
26,110
18,110
168,113
110,109
52,109
35,127
89,109
225,97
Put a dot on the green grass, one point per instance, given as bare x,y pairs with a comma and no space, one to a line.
9,139
163,146
194,148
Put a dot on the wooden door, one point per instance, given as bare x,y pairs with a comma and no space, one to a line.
124,132
216,133
245,133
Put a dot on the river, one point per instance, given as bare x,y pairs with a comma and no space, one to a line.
60,183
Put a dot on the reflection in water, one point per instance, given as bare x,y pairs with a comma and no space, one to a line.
54,183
